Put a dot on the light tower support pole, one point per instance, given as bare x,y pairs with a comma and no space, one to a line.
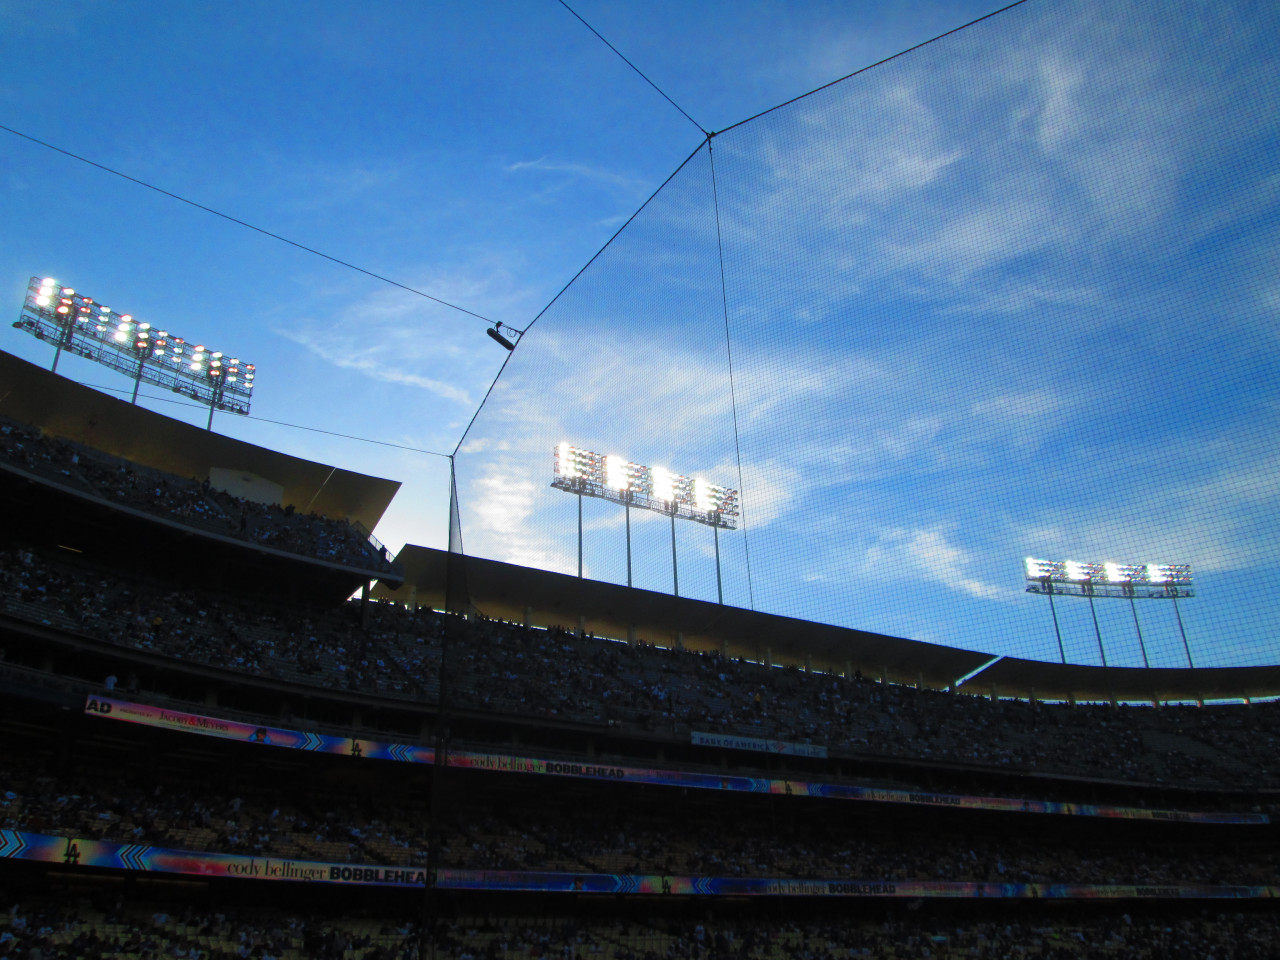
214,399
1048,588
1177,614
719,588
1096,629
64,340
579,534
675,571
137,378
627,506
1141,643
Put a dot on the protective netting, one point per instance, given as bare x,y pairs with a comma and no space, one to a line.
1011,295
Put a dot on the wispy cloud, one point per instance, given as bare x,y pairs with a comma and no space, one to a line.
927,554
1217,522
502,508
396,337
583,171
960,326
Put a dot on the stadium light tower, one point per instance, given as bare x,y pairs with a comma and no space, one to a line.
1148,581
615,478
78,324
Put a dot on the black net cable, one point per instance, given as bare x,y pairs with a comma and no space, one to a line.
878,63
560,292
228,217
634,67
278,423
1007,297
728,349
638,211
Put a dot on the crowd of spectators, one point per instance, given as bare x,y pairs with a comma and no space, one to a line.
553,673
381,820
82,930
556,675
49,929
502,668
188,501
329,648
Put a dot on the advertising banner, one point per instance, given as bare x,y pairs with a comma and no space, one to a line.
782,747
75,852
163,718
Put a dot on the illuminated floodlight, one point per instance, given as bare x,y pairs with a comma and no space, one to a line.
1129,581
1109,579
1078,572
615,473
664,484
702,495
615,478
77,324
1040,569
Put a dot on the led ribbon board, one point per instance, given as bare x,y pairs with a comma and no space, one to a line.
76,853
1129,580
614,478
80,325
163,718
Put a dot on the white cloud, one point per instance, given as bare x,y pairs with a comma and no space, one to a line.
583,171
1024,418
397,337
501,508
928,554
1211,523
953,297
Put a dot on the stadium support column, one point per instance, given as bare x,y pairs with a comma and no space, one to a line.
579,533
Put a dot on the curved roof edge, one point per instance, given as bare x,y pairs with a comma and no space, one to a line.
504,591
66,409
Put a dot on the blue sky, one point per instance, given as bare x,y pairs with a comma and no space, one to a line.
1013,295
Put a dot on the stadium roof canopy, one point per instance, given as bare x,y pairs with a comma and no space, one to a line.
64,408
504,591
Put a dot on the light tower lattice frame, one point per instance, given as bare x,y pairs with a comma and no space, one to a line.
1110,580
75,323
613,478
